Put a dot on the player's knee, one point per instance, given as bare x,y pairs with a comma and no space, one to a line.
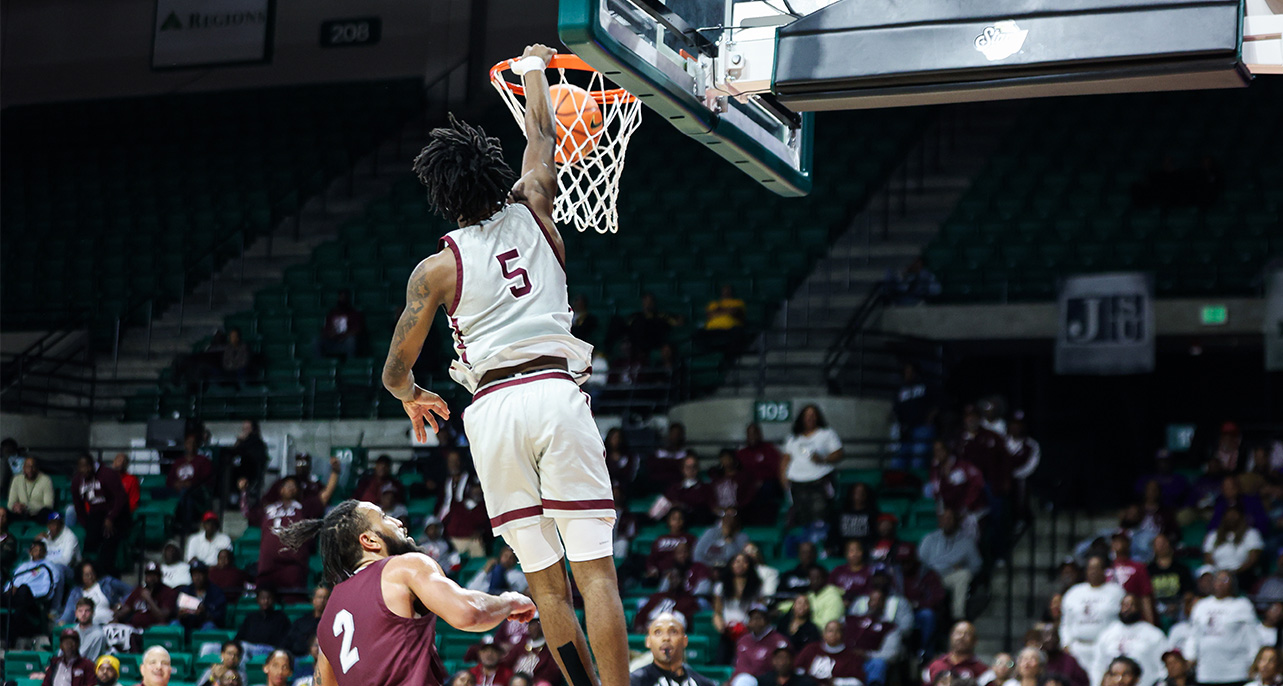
587,538
536,545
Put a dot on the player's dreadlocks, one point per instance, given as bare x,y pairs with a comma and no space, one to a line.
338,534
464,171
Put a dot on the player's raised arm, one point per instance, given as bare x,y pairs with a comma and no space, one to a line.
423,295
459,607
538,182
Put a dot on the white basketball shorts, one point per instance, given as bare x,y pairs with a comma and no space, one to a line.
537,451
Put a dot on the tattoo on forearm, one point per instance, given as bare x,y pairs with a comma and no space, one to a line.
397,368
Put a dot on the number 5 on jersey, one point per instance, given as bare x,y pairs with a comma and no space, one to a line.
519,272
345,627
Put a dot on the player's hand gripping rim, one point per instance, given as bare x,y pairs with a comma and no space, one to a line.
421,408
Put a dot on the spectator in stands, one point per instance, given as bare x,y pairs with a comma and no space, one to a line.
1156,517
1233,497
467,525
1265,668
1174,487
1178,671
1223,638
737,590
150,604
12,455
1270,589
1228,452
666,640
297,640
305,673
212,610
488,671
724,319
204,546
924,590
769,575
92,640
230,661
435,545
260,631
61,542
733,491
248,457
370,487
156,668
1270,622
915,408
1045,636
957,485
463,678
697,576
227,576
1023,457
648,328
878,638
1131,575
280,567
30,588
857,519
797,625
1170,580
827,603
279,668
1234,546
783,672
853,577
661,551
887,546
756,643
665,465
984,449
954,556
674,599
1132,637
191,478
129,482
761,460
895,608
690,494
31,494
533,656
499,574
174,570
102,507
1087,609
584,324
454,483
106,592
912,285
961,658
798,579
719,544
68,668
234,366
344,326
810,456
621,462
1029,669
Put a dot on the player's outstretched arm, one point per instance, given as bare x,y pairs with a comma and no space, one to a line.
323,674
459,607
537,186
423,295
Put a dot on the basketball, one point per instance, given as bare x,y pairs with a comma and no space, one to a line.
579,122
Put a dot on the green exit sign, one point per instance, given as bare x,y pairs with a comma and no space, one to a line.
1214,315
771,411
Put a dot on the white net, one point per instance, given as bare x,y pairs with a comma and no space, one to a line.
588,181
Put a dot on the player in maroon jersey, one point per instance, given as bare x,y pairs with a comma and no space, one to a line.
377,629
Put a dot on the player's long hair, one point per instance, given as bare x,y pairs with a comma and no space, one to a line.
338,535
464,171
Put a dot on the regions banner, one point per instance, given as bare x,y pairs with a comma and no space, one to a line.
1106,325
204,33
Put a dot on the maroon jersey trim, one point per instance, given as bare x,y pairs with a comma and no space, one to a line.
458,273
520,513
491,388
547,237
608,504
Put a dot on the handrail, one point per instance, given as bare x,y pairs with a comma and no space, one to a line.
859,318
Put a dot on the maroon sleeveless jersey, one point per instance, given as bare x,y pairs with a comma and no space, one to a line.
367,645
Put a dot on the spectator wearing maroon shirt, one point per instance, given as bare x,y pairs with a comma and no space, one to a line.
784,671
1045,636
961,658
190,478
733,491
370,487
150,604
925,591
877,638
308,484
759,641
675,599
68,668
697,577
887,547
229,578
488,671
852,577
454,485
857,519
102,507
691,494
661,551
762,461
280,567
1131,575
621,462
984,449
664,466
467,525
831,662
958,485
344,326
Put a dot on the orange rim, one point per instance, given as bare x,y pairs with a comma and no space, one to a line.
568,61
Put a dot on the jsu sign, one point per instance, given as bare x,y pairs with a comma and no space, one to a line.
1106,325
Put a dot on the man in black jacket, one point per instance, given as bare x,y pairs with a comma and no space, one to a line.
666,639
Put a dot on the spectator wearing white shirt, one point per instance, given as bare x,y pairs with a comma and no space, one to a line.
1223,638
205,544
174,570
1233,546
1086,609
30,493
1269,626
1130,636
809,458
953,555
64,547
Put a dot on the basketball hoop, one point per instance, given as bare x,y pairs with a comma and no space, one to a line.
588,183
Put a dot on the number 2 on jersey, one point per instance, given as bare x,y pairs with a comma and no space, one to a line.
519,272
345,626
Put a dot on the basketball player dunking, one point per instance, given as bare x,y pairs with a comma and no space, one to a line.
379,624
501,277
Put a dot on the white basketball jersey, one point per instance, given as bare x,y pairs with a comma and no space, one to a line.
510,300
